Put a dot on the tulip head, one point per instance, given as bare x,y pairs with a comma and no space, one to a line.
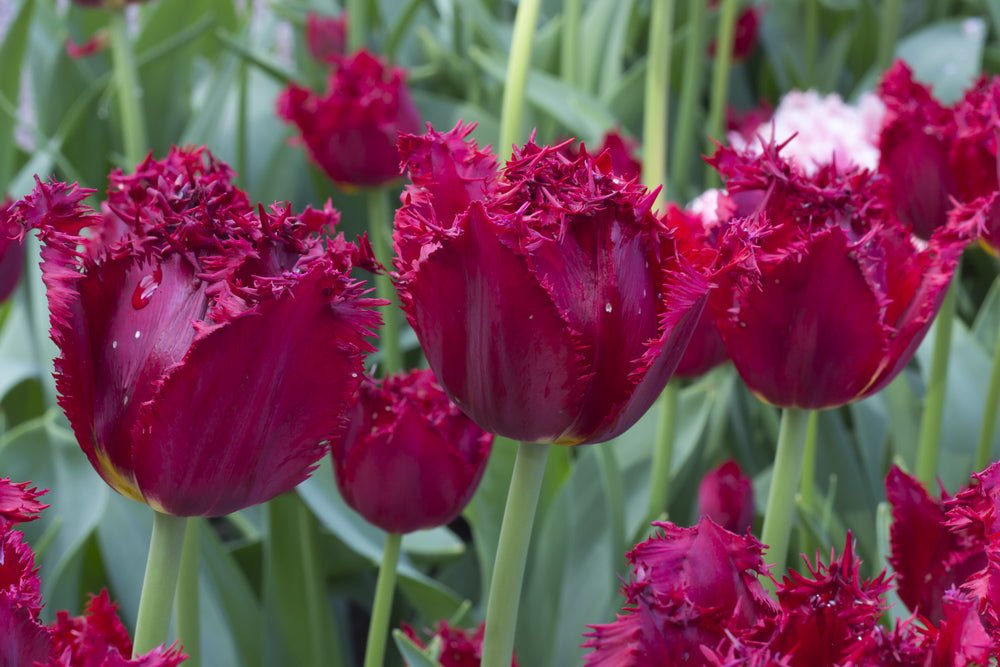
326,36
350,131
408,458
19,501
208,349
550,300
845,292
457,647
725,496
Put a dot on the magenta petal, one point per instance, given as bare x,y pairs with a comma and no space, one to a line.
291,365
23,642
725,495
19,502
11,263
519,382
803,338
18,576
960,640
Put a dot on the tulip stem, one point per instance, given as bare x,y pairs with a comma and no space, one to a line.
378,627
720,80
656,100
691,87
570,41
380,226
187,603
812,40
889,32
663,452
357,25
807,491
984,449
929,444
129,91
518,63
159,583
512,553
784,485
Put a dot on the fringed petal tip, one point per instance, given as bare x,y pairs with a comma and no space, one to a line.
19,502
55,209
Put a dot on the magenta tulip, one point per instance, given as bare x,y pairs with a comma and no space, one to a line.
725,496
408,459
11,258
351,130
845,293
208,349
326,36
549,299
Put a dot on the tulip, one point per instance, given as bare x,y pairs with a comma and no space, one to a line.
393,424
408,460
547,296
11,259
156,314
19,502
621,150
456,647
326,36
725,496
350,131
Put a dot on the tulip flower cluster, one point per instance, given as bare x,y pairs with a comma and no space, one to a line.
96,639
454,646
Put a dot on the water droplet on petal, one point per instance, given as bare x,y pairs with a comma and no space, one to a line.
114,345
145,289
137,334
607,307
354,375
531,317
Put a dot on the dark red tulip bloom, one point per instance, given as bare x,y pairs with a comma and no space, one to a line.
351,130
550,300
11,258
408,459
621,151
19,502
326,36
927,557
19,583
725,496
458,647
845,293
689,589
208,349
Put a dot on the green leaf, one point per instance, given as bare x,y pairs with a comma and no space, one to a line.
947,55
413,654
12,50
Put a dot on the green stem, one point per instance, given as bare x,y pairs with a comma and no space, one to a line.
807,490
929,444
985,447
663,452
379,226
720,79
612,476
785,478
187,604
517,74
314,588
243,123
129,91
357,24
569,54
159,583
378,628
889,32
656,100
812,40
512,553
692,79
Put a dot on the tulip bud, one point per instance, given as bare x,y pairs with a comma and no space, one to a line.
326,36
456,647
408,458
725,495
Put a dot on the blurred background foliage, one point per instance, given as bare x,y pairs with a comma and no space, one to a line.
210,72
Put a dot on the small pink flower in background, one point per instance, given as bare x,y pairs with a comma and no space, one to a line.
820,130
326,36
725,496
457,647
350,131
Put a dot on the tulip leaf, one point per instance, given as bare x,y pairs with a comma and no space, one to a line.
12,50
123,536
947,55
987,324
413,654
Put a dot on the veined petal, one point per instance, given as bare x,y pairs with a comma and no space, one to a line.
23,641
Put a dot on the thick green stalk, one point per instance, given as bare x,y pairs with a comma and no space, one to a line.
379,227
129,91
378,627
780,512
889,32
160,582
812,40
512,554
985,447
663,451
720,79
187,605
569,55
656,99
315,589
611,474
357,24
692,79
518,63
807,490
929,444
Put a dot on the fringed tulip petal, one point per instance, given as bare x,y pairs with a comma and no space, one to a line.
408,458
23,642
19,502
